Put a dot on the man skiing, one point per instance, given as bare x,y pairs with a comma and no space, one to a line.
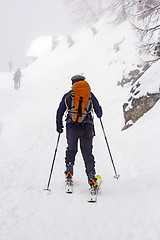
17,77
79,126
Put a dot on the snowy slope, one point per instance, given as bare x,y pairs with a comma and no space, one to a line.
127,208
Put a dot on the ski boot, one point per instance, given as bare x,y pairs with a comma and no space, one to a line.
69,174
92,180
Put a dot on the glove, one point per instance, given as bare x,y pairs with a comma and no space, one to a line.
100,113
59,127
59,130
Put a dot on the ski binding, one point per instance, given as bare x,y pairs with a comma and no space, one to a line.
69,185
94,192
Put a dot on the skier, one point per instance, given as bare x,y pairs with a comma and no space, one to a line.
79,126
17,77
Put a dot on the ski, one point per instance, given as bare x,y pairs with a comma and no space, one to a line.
69,186
93,192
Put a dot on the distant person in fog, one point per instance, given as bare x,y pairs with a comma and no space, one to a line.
10,66
17,77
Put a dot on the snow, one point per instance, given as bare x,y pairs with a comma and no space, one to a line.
147,80
40,46
128,208
44,44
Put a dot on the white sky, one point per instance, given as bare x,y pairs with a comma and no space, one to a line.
21,21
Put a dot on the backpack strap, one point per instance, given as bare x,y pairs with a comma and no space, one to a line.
79,114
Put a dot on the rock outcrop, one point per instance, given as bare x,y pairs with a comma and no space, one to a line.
134,75
139,106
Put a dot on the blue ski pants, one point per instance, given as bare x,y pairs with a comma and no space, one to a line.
85,136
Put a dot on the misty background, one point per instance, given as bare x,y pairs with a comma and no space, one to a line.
22,21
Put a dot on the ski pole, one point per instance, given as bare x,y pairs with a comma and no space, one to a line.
52,164
116,175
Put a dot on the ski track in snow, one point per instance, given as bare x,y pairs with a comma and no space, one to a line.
127,209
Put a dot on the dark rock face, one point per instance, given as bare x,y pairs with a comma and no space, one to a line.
137,103
139,106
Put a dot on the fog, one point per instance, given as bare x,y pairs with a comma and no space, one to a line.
22,21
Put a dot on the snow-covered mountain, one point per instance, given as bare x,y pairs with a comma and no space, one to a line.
127,208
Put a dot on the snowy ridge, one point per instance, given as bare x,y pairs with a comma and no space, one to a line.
126,209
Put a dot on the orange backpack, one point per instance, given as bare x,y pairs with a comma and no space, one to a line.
81,103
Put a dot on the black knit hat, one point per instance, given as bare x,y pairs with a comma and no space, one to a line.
77,78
